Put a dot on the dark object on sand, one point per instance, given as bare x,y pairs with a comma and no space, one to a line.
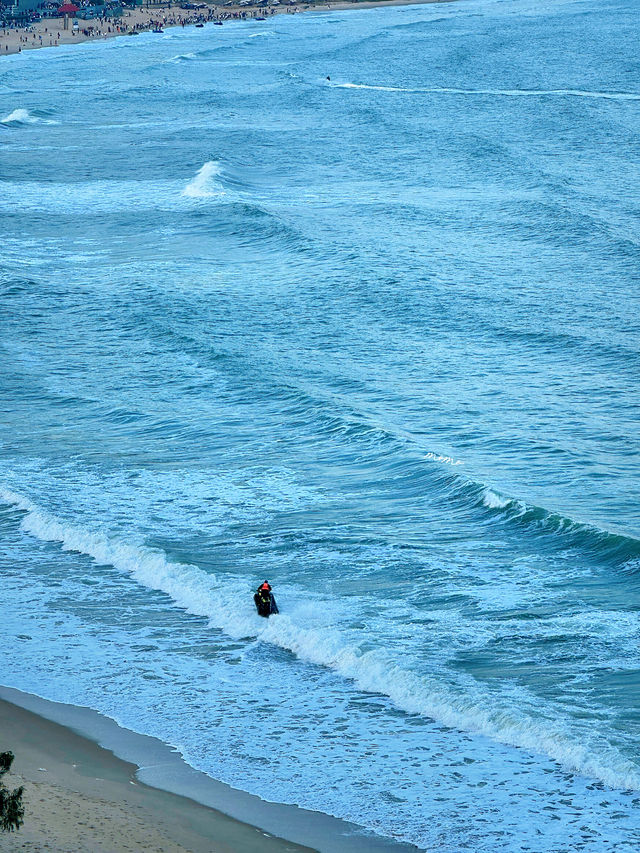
11,809
265,601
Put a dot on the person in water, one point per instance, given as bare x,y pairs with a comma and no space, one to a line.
265,602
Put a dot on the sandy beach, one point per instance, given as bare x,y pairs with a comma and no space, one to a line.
79,796
50,32
133,792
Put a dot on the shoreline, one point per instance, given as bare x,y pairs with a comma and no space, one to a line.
78,796
91,783
50,32
104,779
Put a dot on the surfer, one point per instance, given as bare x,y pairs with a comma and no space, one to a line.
265,601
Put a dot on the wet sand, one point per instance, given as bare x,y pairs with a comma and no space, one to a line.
80,797
91,785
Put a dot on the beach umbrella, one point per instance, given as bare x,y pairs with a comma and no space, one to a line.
68,9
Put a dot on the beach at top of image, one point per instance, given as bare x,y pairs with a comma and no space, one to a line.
31,24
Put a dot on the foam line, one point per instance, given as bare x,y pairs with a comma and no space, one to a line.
227,606
511,93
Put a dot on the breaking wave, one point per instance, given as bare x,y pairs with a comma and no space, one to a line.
493,500
204,184
223,603
565,532
22,116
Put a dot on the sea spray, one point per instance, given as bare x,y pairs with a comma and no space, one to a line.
204,184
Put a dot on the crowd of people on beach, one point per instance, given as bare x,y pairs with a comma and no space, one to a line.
48,36
57,9
50,32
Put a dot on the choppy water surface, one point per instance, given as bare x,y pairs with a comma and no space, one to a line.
374,337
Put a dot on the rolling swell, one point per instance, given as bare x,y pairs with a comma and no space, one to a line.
327,420
372,670
192,400
566,533
557,531
251,225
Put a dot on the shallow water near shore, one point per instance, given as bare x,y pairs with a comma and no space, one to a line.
349,301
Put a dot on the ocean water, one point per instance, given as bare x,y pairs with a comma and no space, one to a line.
348,301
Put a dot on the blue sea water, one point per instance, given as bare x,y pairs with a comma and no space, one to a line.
346,300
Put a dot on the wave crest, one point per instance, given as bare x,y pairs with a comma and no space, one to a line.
204,184
566,532
23,116
227,606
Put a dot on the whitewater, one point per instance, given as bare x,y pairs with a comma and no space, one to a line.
351,307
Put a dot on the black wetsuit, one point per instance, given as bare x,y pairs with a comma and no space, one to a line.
265,602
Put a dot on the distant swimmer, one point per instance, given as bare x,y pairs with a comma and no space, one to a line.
328,78
265,602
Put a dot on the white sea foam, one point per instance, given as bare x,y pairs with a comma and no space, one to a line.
447,460
537,93
523,93
493,500
224,603
204,185
375,88
187,585
22,116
